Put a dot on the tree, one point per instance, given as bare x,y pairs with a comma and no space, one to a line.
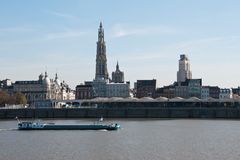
17,98
20,98
4,97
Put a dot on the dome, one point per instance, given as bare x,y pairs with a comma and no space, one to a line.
47,80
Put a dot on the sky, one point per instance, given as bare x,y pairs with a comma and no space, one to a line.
146,37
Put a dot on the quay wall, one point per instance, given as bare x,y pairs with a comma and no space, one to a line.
163,112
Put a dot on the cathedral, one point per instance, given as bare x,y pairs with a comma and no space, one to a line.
101,61
102,85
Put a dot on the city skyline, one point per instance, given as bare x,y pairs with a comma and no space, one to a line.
57,35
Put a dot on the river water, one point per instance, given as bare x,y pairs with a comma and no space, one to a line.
139,139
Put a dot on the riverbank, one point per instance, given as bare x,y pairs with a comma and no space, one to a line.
176,112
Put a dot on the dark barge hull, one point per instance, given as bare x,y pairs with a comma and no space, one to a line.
74,127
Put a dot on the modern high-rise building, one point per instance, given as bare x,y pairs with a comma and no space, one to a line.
101,58
184,72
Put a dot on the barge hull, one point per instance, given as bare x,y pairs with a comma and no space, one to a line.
73,127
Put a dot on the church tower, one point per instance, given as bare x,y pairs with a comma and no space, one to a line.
101,59
118,76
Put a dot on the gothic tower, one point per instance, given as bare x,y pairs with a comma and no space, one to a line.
101,59
118,76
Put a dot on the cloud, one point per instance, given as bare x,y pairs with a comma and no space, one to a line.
63,15
120,30
65,34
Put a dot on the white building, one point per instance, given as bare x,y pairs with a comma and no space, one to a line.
43,89
6,82
117,90
225,93
184,69
205,93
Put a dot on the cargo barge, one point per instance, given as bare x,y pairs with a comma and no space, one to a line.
52,126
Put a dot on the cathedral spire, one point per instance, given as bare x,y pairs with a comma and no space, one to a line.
56,76
101,58
117,67
101,33
46,75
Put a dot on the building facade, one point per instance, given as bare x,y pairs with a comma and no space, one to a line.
166,91
117,76
5,83
84,92
181,91
99,87
43,89
118,90
205,93
7,86
188,88
236,91
214,92
184,71
194,87
146,88
225,93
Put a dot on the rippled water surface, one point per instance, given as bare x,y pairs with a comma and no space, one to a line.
137,140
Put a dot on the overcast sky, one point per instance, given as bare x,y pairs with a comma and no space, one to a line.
145,36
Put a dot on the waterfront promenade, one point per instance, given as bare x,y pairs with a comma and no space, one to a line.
167,112
110,109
